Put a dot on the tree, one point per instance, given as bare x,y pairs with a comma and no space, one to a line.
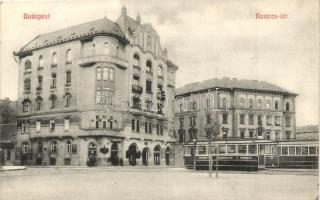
212,131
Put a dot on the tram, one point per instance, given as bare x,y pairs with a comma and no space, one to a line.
251,155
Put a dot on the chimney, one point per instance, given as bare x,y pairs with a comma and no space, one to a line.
138,19
124,11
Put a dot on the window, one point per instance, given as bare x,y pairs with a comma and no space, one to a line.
242,149
104,124
276,105
52,124
259,119
39,103
241,102
24,128
53,80
68,78
250,103
146,127
160,71
54,59
193,121
149,67
285,150
150,128
277,121
138,126
208,118
202,150
54,147
288,134
241,119
41,61
268,104
304,150
98,120
252,149
287,106
133,125
40,147
53,100
292,150
106,48
250,119
68,147
25,147
298,150
222,149
27,85
259,103
136,60
224,133
193,105
161,129
288,122
26,106
27,66
277,135
98,73
312,150
224,118
181,107
69,56
268,135
269,121
39,82
251,133
208,106
242,134
224,103
66,124
148,86
158,129
67,100
231,149
38,125
74,148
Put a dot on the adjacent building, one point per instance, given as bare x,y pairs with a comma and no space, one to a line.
240,109
310,132
98,93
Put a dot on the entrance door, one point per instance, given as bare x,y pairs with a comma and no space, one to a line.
156,155
145,153
132,154
114,154
168,156
92,154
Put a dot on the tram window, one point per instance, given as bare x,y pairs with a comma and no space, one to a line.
304,150
284,150
242,149
274,149
222,149
261,149
231,148
188,150
279,150
213,150
252,149
202,150
268,149
312,150
298,150
292,150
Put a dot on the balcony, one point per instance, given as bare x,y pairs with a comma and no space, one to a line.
102,58
136,89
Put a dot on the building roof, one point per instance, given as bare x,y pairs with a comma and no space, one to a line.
102,26
231,84
307,129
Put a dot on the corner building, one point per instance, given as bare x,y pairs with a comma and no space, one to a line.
98,93
242,109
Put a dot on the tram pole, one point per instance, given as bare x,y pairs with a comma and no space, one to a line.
210,160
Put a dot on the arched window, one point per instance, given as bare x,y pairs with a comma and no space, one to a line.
54,146
69,56
148,66
287,106
160,71
41,61
27,85
68,147
106,48
54,59
27,65
259,103
241,102
268,104
136,60
250,103
25,147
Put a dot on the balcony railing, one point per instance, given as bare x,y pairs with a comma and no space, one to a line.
136,89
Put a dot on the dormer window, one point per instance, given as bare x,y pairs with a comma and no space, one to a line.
69,56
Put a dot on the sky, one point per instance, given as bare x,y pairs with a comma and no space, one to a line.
205,38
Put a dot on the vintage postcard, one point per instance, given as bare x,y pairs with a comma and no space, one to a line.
171,99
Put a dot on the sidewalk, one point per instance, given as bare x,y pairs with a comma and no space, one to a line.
290,170
12,168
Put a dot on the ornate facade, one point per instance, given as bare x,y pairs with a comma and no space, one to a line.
98,93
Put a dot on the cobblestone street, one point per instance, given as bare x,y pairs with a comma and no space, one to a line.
154,183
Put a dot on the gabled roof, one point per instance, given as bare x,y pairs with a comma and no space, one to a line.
102,26
231,84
